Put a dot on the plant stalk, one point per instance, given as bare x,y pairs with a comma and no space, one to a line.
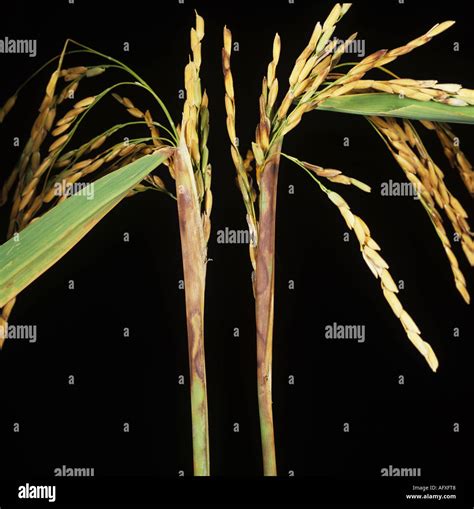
193,249
264,300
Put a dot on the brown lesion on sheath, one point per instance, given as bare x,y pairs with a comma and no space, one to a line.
195,343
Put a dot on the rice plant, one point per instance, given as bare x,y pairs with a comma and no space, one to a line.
46,221
319,81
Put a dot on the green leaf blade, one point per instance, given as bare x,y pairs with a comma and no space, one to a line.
389,105
44,242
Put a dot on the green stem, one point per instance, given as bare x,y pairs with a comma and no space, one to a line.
264,302
32,76
310,173
137,77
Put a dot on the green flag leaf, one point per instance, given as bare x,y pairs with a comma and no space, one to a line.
41,244
389,105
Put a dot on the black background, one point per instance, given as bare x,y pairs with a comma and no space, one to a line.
135,284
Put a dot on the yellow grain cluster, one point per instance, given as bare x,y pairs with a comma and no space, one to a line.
31,168
311,68
336,176
195,125
427,178
350,82
393,54
29,161
453,152
266,102
243,167
379,268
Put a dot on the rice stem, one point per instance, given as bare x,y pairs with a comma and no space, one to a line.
193,247
264,302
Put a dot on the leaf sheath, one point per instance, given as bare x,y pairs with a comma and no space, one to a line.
193,249
264,301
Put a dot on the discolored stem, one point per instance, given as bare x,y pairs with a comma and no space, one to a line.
264,298
193,249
